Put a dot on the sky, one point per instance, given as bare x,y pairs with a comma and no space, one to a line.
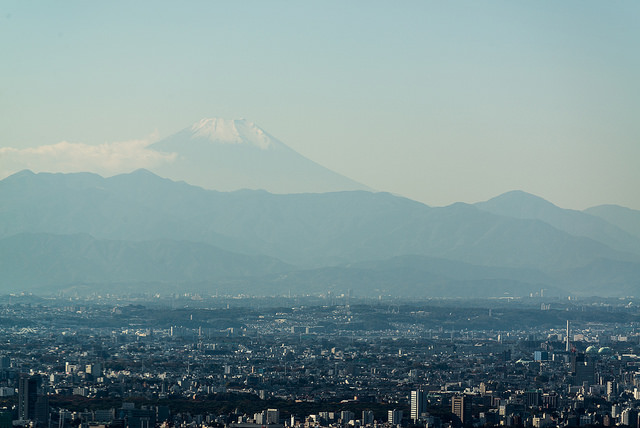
437,101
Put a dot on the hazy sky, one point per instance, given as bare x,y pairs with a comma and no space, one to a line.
437,101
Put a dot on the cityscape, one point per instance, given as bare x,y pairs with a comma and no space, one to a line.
326,360
319,214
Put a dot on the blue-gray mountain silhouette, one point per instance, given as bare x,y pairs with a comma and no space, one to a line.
359,240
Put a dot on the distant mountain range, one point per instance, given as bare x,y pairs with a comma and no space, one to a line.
39,261
139,231
518,204
625,218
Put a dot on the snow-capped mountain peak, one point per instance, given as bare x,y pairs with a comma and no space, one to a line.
233,131
225,154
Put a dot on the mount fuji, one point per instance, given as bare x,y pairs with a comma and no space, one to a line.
226,155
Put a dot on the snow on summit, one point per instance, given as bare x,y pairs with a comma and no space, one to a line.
227,155
233,131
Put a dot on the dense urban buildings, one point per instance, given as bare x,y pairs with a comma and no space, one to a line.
189,360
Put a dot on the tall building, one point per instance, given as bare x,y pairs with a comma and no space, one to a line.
612,389
582,369
533,398
394,417
6,419
41,415
273,416
367,417
137,418
418,404
629,417
260,418
346,416
461,409
94,370
27,397
585,374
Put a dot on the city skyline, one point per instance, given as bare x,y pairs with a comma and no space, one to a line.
223,361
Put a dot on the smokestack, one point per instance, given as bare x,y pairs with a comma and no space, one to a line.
568,348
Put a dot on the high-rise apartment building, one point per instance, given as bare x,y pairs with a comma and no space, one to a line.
273,416
394,417
367,417
461,408
418,404
27,397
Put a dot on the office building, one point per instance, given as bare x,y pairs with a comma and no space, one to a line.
394,417
27,397
367,417
418,404
273,416
461,409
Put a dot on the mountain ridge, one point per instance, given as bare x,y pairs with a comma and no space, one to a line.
377,238
625,218
51,260
523,205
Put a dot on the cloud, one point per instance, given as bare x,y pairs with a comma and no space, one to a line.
104,159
